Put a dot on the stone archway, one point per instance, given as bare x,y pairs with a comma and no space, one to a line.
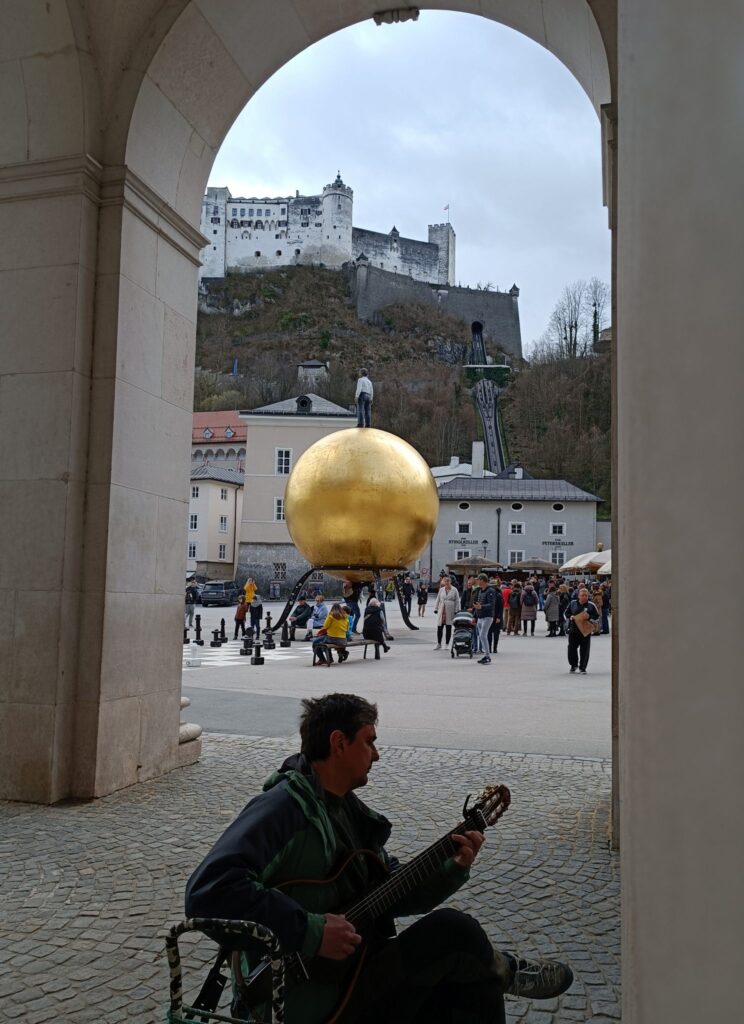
105,148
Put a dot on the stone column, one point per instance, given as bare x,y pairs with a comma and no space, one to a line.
680,365
100,366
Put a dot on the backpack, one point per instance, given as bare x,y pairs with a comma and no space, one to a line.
514,599
530,598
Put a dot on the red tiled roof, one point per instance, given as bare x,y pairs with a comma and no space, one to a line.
218,422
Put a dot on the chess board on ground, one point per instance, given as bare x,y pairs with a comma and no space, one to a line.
228,655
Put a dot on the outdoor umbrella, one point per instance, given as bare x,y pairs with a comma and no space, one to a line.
588,562
535,565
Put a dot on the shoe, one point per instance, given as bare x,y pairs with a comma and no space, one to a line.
438,647
572,669
538,979
582,671
385,648
484,661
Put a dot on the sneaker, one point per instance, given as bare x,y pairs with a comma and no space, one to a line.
438,647
572,669
484,661
583,671
538,979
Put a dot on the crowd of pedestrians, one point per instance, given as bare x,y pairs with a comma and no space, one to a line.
575,611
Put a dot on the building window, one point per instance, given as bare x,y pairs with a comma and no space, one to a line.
223,524
464,505
235,211
215,209
216,220
462,555
214,232
280,570
557,529
250,212
516,556
206,432
517,506
284,211
463,528
278,510
558,507
515,528
242,211
557,557
317,576
192,550
229,432
297,252
193,522
223,551
223,493
278,251
194,492
257,252
283,461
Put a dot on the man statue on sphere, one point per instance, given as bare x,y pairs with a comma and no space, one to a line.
363,398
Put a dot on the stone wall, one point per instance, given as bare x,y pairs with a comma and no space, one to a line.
373,289
259,560
406,256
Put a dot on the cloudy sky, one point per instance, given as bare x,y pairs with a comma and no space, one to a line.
452,109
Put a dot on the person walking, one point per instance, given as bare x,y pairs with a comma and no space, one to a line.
552,609
606,607
515,608
363,398
597,599
483,610
529,608
564,599
256,613
240,613
422,594
190,605
445,609
494,632
580,615
407,588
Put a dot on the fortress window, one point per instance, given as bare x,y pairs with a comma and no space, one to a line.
319,224
464,505
558,507
214,232
215,209
235,211
278,252
242,211
517,506
297,252
250,212
304,224
216,220
215,248
257,252
284,211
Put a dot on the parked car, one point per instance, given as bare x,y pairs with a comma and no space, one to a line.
222,592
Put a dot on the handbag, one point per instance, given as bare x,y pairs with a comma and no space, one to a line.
322,631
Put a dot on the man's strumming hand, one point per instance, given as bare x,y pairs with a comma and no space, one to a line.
340,938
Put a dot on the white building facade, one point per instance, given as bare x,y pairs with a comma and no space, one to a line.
215,510
509,520
248,234
277,435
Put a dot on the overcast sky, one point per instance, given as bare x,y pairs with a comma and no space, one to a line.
452,109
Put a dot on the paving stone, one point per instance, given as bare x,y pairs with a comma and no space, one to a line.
92,887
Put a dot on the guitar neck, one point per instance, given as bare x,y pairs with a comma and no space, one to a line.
412,875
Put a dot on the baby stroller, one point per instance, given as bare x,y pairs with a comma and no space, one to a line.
462,636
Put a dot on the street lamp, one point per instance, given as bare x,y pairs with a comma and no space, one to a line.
485,548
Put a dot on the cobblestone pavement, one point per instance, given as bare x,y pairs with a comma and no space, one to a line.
90,887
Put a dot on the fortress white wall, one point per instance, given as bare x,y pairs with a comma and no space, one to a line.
247,234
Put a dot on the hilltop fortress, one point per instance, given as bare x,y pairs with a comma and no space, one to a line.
253,234
259,234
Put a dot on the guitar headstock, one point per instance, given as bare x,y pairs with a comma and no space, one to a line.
491,803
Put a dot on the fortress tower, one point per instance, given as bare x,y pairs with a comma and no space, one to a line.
338,201
443,236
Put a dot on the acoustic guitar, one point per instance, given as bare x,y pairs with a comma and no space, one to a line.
318,989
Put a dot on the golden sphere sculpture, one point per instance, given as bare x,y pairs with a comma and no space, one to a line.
361,497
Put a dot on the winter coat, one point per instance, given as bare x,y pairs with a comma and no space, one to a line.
423,593
286,833
240,612
486,600
552,606
374,624
447,606
575,607
302,614
529,610
337,628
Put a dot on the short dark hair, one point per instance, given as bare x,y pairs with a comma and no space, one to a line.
323,715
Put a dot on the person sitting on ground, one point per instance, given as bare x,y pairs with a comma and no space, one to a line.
240,613
374,624
305,823
336,627
301,617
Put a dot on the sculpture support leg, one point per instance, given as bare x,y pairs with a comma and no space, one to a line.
402,603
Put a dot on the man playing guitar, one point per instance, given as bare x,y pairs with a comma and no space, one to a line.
307,859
